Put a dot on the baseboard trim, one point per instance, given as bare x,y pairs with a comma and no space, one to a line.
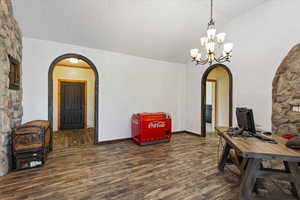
193,133
176,132
114,141
125,139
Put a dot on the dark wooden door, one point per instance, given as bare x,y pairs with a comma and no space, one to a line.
72,105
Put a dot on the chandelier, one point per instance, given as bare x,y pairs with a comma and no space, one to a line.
212,48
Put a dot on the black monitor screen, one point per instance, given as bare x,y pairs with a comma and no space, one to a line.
245,119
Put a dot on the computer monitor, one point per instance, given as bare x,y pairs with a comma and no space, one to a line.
245,119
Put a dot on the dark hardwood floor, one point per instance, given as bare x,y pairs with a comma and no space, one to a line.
73,138
184,169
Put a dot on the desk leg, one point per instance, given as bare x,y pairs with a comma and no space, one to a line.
293,168
249,179
259,181
287,168
224,157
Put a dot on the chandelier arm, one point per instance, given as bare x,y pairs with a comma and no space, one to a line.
221,59
201,61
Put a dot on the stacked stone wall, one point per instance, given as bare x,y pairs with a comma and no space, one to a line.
286,94
10,100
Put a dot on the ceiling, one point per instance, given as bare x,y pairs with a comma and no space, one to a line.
158,29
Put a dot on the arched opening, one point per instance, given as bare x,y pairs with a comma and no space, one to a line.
73,99
216,98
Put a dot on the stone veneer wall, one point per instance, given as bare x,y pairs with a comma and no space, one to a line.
10,100
286,92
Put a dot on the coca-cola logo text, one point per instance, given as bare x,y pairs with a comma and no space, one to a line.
159,124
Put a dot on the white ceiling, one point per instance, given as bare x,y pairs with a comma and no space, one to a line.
158,29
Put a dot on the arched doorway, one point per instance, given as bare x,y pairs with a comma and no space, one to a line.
96,89
204,109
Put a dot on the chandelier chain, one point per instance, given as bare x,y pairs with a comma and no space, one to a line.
211,10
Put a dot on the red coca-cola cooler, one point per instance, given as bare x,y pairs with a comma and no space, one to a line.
151,128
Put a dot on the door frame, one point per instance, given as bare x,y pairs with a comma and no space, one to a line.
203,95
59,82
50,89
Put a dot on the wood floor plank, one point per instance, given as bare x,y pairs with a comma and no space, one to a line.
184,169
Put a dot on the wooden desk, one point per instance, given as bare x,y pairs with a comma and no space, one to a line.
248,155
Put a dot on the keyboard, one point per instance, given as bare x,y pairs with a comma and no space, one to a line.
264,138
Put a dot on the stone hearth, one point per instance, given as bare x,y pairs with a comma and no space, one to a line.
286,94
10,100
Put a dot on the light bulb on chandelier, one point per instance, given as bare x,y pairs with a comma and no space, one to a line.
210,43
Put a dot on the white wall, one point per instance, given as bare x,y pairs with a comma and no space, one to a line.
127,84
193,97
71,73
262,37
